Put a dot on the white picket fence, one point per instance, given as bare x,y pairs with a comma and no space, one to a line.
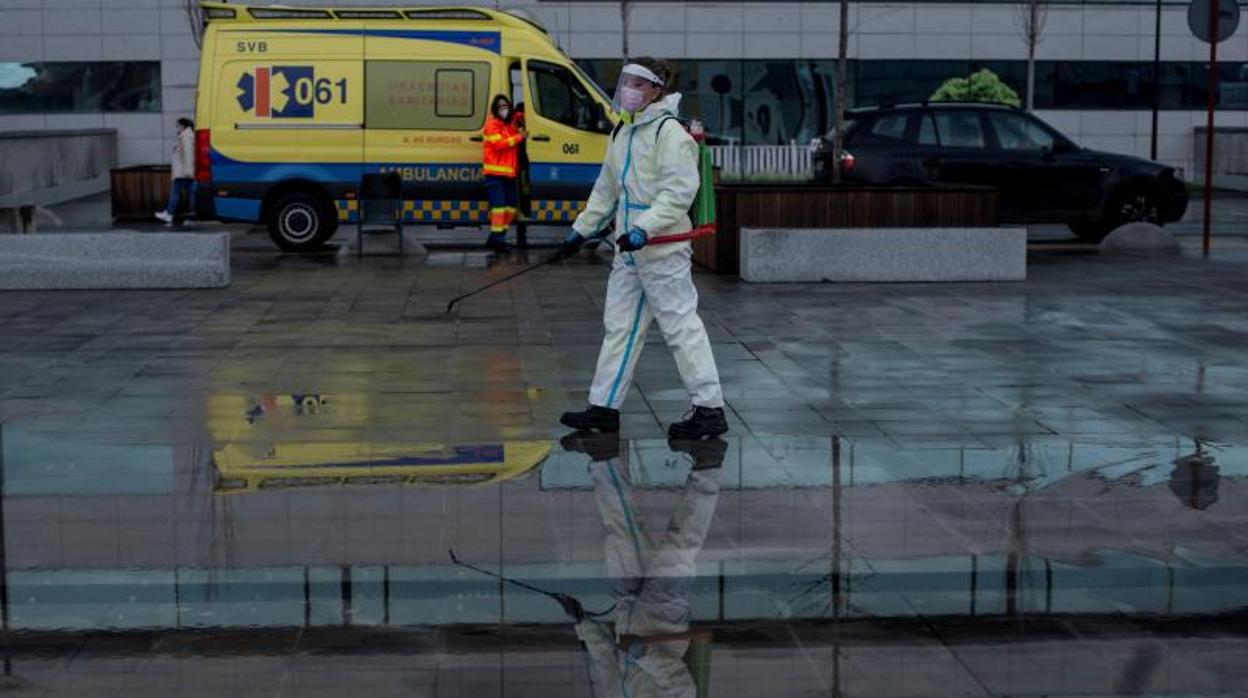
763,162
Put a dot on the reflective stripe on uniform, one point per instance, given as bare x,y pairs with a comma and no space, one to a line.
498,220
628,351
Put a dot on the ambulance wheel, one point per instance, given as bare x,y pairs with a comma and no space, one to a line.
301,222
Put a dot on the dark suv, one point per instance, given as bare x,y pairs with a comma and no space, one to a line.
1042,176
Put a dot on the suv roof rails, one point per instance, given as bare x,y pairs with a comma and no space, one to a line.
966,102
928,103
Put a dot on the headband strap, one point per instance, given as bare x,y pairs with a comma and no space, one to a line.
643,72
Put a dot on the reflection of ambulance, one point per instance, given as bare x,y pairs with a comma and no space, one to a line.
277,441
250,467
296,104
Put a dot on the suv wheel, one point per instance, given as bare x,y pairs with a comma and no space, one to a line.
1134,204
301,222
1131,204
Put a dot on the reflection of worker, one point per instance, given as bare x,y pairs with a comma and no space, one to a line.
651,573
648,182
499,165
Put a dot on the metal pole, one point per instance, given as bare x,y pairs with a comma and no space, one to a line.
1152,149
1215,7
842,80
8,679
624,26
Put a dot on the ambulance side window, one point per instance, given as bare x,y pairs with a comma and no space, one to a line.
559,96
426,95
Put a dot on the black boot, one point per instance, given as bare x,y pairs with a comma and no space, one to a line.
498,242
705,421
598,446
594,418
706,454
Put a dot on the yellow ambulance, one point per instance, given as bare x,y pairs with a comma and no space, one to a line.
296,104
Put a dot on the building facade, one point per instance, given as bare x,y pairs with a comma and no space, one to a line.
756,72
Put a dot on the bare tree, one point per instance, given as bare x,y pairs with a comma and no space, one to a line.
195,15
842,81
1030,17
624,12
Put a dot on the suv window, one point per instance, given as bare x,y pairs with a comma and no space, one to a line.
959,129
559,96
927,131
890,127
1017,132
853,123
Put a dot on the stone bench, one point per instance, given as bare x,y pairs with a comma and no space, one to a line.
110,260
883,254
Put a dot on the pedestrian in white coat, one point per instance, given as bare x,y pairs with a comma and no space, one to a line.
647,183
183,171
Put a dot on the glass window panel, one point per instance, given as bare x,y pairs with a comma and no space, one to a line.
1094,84
454,92
1180,87
605,72
593,84
900,81
896,81
927,131
959,129
427,95
1194,90
712,92
558,95
1018,132
99,86
1233,85
787,101
890,127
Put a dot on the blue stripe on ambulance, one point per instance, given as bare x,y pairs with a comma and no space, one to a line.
562,172
227,171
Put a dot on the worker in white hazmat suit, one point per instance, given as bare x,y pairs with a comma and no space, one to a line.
651,570
648,182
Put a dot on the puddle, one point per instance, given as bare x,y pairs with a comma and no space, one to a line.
281,513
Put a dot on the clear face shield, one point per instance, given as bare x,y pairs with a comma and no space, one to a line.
637,88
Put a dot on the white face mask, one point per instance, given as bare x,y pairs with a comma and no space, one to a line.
503,113
632,99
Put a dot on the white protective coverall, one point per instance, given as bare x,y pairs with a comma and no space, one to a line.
652,574
649,180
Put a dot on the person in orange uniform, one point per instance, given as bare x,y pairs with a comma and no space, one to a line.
499,165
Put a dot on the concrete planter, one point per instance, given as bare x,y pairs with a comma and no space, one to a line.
884,254
114,260
823,206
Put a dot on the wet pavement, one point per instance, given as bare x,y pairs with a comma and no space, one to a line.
958,489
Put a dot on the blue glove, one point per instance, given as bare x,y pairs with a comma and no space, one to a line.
571,243
634,240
